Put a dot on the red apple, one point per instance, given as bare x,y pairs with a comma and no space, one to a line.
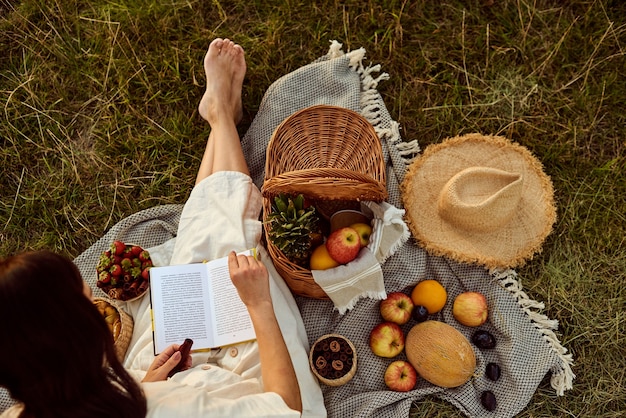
397,307
387,340
400,376
343,245
470,309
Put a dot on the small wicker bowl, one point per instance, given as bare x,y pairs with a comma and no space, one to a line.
327,153
122,335
333,359
118,292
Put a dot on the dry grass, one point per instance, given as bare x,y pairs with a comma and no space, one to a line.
98,120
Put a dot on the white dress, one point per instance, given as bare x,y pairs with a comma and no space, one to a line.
222,214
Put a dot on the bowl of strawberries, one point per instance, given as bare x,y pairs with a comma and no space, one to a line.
124,271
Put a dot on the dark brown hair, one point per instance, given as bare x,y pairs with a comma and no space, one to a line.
57,355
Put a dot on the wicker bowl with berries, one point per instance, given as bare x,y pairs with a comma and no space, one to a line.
124,271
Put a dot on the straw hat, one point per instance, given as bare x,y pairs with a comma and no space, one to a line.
479,199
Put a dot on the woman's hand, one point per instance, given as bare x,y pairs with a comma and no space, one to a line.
251,279
164,363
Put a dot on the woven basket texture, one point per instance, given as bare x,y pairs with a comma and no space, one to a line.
345,378
325,153
126,331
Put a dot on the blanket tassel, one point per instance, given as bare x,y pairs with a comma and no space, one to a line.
562,374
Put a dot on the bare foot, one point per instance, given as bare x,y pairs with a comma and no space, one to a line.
225,68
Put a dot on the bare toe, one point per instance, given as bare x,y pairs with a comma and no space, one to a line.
215,47
227,46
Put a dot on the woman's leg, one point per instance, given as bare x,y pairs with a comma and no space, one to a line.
225,68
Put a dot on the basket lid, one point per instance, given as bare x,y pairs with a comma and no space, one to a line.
326,152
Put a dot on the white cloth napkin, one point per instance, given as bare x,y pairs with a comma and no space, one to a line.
363,277
389,231
346,284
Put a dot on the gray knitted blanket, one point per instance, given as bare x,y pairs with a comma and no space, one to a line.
527,349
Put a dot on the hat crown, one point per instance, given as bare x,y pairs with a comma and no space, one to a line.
480,199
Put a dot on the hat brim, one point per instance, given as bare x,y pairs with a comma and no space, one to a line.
509,245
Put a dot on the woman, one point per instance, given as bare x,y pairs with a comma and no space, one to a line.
57,355
43,297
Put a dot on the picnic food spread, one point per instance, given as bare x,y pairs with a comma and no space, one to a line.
295,227
436,351
333,157
124,271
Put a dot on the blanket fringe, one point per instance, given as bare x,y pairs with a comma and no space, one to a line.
562,374
370,107
408,150
335,50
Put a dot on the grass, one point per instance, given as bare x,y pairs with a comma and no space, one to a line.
98,120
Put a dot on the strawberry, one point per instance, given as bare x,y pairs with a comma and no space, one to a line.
135,272
116,270
136,250
136,262
107,253
147,263
104,277
144,255
146,273
118,247
117,259
126,264
105,262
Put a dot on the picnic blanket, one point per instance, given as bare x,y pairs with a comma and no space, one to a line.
528,348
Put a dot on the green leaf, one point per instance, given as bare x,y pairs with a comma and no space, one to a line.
299,202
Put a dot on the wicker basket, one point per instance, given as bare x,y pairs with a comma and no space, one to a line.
344,352
126,332
326,153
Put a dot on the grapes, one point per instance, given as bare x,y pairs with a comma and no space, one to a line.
483,339
420,313
492,371
488,399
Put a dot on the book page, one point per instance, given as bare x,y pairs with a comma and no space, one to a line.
232,320
198,301
181,306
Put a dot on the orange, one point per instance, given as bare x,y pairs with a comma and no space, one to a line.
321,260
429,294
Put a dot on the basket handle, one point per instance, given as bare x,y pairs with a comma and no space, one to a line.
326,183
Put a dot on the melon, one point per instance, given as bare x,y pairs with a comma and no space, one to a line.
440,354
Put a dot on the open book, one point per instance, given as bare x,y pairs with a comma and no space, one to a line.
197,301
